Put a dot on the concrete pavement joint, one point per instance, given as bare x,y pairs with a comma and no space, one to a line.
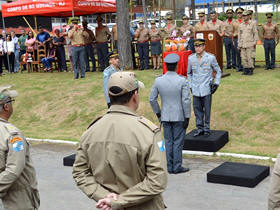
187,152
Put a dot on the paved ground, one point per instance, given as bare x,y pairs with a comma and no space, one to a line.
188,191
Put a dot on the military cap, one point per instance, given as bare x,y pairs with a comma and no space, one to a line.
245,13
121,83
153,22
75,20
198,42
230,11
213,12
6,94
113,54
250,12
201,14
172,58
239,10
269,15
185,17
141,21
169,17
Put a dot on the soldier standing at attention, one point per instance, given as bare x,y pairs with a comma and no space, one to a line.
113,68
18,184
175,111
187,31
115,35
142,35
201,25
215,24
251,12
228,35
247,40
170,29
236,25
102,36
270,32
89,47
200,70
77,37
155,36
120,161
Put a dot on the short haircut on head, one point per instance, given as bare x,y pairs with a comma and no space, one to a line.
171,66
123,99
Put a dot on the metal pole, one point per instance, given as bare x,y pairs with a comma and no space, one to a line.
9,68
73,13
159,5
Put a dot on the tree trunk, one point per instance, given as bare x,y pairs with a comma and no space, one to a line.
124,46
174,9
256,10
145,13
193,10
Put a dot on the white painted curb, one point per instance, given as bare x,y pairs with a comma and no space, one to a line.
186,152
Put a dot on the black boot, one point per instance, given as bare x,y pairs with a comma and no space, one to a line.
245,71
250,71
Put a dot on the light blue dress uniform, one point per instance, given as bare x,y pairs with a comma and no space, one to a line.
200,78
106,76
175,107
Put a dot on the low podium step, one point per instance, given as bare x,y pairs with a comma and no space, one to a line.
239,174
212,143
69,160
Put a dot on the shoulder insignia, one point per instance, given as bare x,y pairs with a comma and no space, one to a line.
148,123
15,139
11,128
17,144
94,122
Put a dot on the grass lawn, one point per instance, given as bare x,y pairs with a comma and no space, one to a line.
55,106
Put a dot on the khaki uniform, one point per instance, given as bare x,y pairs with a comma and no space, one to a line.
228,28
18,184
78,37
124,154
115,32
228,31
169,30
154,35
200,26
236,25
216,26
90,38
142,35
247,39
274,193
101,34
270,31
183,29
254,49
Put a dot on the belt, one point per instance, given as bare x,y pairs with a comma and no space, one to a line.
155,40
142,42
102,42
230,37
235,37
78,45
269,39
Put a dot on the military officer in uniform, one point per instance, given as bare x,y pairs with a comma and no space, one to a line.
102,34
202,24
270,38
228,34
113,68
174,113
187,31
200,68
274,192
18,184
236,25
251,12
170,30
247,40
142,35
215,24
121,160
77,37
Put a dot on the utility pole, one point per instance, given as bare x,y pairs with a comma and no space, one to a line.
174,9
159,5
145,13
193,10
256,10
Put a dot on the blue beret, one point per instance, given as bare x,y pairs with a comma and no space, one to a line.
172,58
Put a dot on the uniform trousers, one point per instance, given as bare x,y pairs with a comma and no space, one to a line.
90,54
143,51
238,55
269,49
230,52
61,58
102,52
174,134
202,110
274,193
247,57
78,58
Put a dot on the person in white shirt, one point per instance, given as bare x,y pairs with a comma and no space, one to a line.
9,47
16,52
1,55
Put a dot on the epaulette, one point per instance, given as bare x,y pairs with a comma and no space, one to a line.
94,121
11,129
148,123
160,75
